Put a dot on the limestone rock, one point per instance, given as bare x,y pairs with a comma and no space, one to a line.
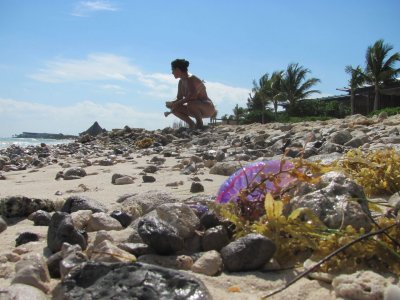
177,262
32,270
139,204
124,180
332,200
392,292
341,137
150,169
106,251
72,257
210,263
136,249
102,221
362,285
225,168
180,216
81,218
19,291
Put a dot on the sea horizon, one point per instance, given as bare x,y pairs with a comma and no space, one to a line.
6,142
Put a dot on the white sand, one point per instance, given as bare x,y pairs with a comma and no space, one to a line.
41,183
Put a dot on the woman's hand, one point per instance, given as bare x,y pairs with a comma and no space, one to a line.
177,103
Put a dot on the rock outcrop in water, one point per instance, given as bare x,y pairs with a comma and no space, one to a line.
35,135
93,130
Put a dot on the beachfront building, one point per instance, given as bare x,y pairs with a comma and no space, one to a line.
364,98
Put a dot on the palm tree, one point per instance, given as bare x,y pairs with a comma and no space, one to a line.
357,78
238,112
260,100
274,89
294,85
380,69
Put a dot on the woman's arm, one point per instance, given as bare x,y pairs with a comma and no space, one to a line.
196,91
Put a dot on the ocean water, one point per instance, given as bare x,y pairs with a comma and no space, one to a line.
24,142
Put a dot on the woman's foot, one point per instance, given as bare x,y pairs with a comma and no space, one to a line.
199,124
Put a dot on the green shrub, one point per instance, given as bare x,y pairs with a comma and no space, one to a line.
316,108
255,116
391,111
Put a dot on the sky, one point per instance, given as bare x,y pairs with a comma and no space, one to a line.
66,64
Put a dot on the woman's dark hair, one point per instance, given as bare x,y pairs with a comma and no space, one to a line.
181,64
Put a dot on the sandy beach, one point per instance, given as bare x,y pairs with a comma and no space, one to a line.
97,184
41,183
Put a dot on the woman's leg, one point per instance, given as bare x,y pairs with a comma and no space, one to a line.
182,113
200,110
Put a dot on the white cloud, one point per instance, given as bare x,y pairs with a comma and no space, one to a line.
83,8
158,85
114,88
18,116
109,69
165,85
223,94
94,67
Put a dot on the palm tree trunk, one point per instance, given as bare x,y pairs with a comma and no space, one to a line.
352,101
262,111
376,99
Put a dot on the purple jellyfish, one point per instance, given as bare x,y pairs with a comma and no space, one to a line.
251,173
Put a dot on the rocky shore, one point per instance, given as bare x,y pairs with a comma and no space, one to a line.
127,213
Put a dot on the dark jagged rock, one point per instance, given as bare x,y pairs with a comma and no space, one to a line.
159,235
250,252
53,264
148,178
40,218
75,203
209,219
126,281
75,172
61,229
122,217
3,224
196,187
215,238
93,130
25,238
20,206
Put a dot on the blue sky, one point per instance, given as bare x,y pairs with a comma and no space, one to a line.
66,64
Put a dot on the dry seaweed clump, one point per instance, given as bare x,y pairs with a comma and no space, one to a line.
378,172
301,234
144,143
